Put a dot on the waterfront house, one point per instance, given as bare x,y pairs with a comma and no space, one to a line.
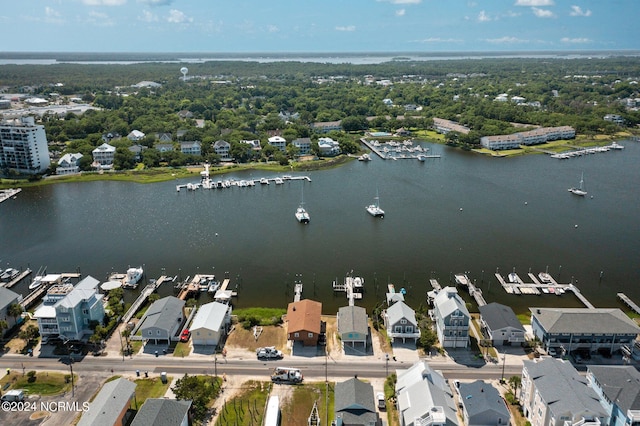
553,393
355,404
452,318
135,136
103,156
8,298
163,320
137,151
69,164
445,126
618,388
191,147
278,142
254,144
222,148
424,397
211,324
614,118
110,406
328,147
45,314
163,412
583,329
483,405
79,309
304,322
400,322
303,145
164,137
501,325
353,327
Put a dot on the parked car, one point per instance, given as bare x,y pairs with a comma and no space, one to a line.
13,395
382,404
552,351
269,352
184,337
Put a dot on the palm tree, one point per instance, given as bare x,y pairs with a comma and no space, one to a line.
15,310
3,326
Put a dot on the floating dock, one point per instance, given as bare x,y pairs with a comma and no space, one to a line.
352,286
5,194
630,303
398,150
208,183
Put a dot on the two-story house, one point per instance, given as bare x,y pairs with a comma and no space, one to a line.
501,325
328,147
355,404
353,327
222,149
452,318
69,164
163,320
400,322
103,156
79,308
278,142
303,145
191,147
8,298
618,387
304,322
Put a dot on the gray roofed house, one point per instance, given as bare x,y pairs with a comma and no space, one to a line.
353,326
7,298
211,323
501,325
553,392
400,322
619,390
79,308
163,412
109,408
482,405
355,404
424,397
163,319
570,329
222,147
452,318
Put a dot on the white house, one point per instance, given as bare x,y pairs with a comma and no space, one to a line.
328,147
211,323
135,135
103,156
452,318
68,164
400,322
278,142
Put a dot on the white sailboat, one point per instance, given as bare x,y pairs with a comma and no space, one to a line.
374,209
301,214
580,190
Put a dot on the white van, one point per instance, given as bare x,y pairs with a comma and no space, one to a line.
13,395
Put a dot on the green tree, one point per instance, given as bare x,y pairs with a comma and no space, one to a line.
15,310
29,334
3,326
514,383
200,390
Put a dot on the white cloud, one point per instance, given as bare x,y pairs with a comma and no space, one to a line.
273,29
148,16
100,19
439,40
156,2
577,11
104,2
346,28
542,13
505,40
534,3
178,17
575,40
401,12
51,13
483,17
52,16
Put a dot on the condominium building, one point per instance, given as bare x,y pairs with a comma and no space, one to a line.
23,146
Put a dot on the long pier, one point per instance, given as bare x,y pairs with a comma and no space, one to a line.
399,151
144,295
475,292
38,293
208,183
5,194
630,303
353,286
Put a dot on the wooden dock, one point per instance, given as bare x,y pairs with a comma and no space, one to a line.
144,295
352,286
39,292
297,292
5,194
475,292
435,284
223,294
630,303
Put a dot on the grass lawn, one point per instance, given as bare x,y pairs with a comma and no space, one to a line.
150,388
296,411
248,407
270,336
182,349
45,383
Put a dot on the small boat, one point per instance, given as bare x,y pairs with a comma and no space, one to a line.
301,214
544,277
374,209
278,181
579,190
616,145
545,290
364,157
213,286
264,181
513,277
134,275
9,274
37,282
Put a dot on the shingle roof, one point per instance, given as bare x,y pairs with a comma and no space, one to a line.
448,301
304,315
561,386
499,316
84,290
7,297
620,384
400,310
161,412
163,313
352,319
355,403
479,397
109,403
585,320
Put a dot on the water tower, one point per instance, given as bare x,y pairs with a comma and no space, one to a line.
184,71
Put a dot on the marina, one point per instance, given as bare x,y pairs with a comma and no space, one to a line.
48,281
393,150
579,152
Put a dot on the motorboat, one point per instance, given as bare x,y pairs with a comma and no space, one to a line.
579,190
374,209
364,157
544,277
37,282
133,277
302,215
9,274
264,181
513,277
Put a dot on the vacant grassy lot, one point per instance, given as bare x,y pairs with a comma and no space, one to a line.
270,336
150,388
247,408
44,383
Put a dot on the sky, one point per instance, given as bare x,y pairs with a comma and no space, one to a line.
290,26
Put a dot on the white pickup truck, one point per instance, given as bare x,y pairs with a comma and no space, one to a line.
269,352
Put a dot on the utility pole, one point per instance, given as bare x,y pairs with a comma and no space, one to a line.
386,365
504,360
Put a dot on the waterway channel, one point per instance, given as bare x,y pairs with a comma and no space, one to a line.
461,212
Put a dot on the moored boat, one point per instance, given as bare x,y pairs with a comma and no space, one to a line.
374,209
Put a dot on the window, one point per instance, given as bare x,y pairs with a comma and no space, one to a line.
408,329
403,321
296,334
85,312
397,329
158,332
310,335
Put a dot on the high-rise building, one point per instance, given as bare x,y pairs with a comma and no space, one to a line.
23,146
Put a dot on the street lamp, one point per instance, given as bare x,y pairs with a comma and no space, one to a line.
387,365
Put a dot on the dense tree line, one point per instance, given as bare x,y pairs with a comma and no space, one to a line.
244,100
